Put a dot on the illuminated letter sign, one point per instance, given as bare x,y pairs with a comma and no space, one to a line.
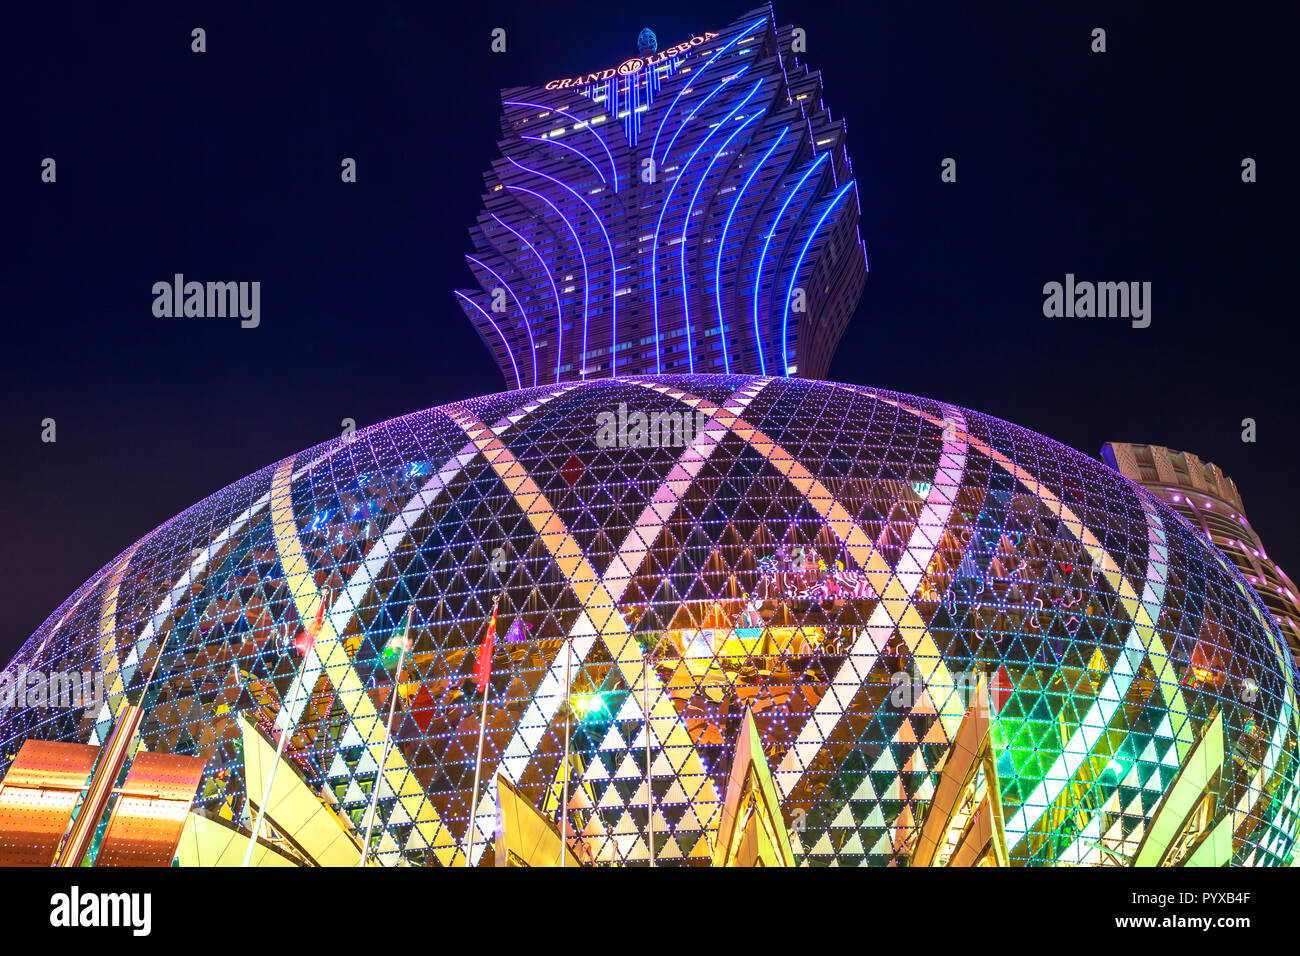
631,66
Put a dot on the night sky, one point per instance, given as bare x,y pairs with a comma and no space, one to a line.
225,166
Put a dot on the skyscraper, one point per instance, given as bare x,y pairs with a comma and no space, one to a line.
1205,496
691,209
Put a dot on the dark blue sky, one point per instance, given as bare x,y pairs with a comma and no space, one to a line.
225,165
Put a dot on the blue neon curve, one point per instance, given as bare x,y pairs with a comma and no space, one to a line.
613,268
668,150
686,225
573,149
585,124
758,273
794,276
654,246
722,243
559,312
654,147
504,343
582,254
519,305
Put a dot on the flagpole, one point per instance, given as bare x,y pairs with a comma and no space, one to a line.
649,778
270,777
388,740
478,759
564,806
279,751
114,753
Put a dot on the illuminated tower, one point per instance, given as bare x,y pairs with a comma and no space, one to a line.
1205,496
691,209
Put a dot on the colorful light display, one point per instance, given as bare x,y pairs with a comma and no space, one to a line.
693,210
622,615
844,564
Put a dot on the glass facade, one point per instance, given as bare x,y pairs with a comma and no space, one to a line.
770,620
835,560
690,210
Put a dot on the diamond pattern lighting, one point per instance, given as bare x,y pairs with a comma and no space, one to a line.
844,565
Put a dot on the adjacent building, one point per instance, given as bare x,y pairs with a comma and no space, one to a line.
1209,499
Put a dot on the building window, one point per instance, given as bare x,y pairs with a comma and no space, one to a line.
1146,463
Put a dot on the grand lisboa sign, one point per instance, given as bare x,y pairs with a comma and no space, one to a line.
630,66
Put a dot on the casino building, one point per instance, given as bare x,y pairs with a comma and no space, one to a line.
690,210
801,624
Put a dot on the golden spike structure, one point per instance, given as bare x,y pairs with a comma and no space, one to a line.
1181,831
752,831
963,825
112,758
528,838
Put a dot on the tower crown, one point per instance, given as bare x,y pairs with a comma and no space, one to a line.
691,209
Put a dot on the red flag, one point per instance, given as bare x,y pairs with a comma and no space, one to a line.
483,665
307,639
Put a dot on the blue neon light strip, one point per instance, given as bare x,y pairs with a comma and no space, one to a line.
758,273
633,95
506,345
668,150
794,276
556,142
581,123
654,246
686,225
582,254
613,266
722,243
519,305
559,313
654,148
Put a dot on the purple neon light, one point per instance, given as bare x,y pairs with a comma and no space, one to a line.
686,225
654,246
758,273
668,150
504,343
584,124
794,276
613,268
582,254
519,305
722,243
559,312
654,147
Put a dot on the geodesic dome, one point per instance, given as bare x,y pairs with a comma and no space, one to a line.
780,546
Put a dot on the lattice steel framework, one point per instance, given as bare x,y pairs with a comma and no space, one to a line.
798,553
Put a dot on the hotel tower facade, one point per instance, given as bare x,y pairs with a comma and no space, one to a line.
690,210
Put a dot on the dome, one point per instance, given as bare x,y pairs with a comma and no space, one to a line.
838,566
